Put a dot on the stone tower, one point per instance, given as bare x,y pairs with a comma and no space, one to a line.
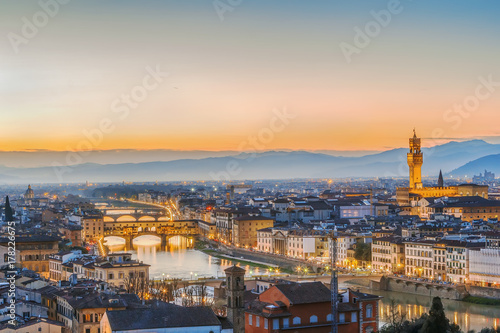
235,290
415,159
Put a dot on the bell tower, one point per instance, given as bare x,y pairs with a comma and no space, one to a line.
415,159
235,290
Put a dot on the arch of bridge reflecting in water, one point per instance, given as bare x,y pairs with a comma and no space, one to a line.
179,260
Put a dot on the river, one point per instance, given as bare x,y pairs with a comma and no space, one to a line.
180,260
468,316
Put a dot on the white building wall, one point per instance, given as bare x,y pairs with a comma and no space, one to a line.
484,266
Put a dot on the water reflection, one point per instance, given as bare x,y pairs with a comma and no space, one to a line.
178,260
468,316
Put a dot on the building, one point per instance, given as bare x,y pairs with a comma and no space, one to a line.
34,251
73,233
245,229
439,261
119,268
416,190
223,218
34,326
468,208
388,254
306,307
484,267
206,229
56,261
81,309
419,259
93,227
235,291
457,260
164,318
293,242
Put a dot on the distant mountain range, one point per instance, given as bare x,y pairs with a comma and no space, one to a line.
490,163
202,165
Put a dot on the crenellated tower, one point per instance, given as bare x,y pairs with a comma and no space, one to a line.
415,160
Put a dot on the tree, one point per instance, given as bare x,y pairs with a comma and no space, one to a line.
9,215
396,319
363,252
436,320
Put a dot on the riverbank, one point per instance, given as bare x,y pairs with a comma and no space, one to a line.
261,262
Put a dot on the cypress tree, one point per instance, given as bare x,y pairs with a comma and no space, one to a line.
436,321
9,215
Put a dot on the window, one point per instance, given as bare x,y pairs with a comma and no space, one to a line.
369,311
296,321
313,319
276,323
265,323
354,317
329,317
249,318
341,317
286,322
257,321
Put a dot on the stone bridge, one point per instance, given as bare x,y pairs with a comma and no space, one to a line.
421,287
165,230
137,215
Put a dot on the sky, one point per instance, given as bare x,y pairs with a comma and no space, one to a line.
241,74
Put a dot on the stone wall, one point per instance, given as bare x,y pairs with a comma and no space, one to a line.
484,292
284,263
420,288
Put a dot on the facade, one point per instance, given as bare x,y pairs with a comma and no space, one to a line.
457,260
245,229
439,258
82,310
306,307
419,260
34,251
93,227
416,190
206,229
235,291
345,242
56,261
484,267
74,233
296,243
388,255
116,273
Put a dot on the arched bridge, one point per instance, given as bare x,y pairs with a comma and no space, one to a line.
137,215
129,230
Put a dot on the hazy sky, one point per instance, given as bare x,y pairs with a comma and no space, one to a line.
226,76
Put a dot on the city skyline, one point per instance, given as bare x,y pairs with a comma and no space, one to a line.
229,71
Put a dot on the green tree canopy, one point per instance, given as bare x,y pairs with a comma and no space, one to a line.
363,252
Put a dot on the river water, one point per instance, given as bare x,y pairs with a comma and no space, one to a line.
468,316
180,260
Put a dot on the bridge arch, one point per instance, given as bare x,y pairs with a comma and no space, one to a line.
125,218
146,218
